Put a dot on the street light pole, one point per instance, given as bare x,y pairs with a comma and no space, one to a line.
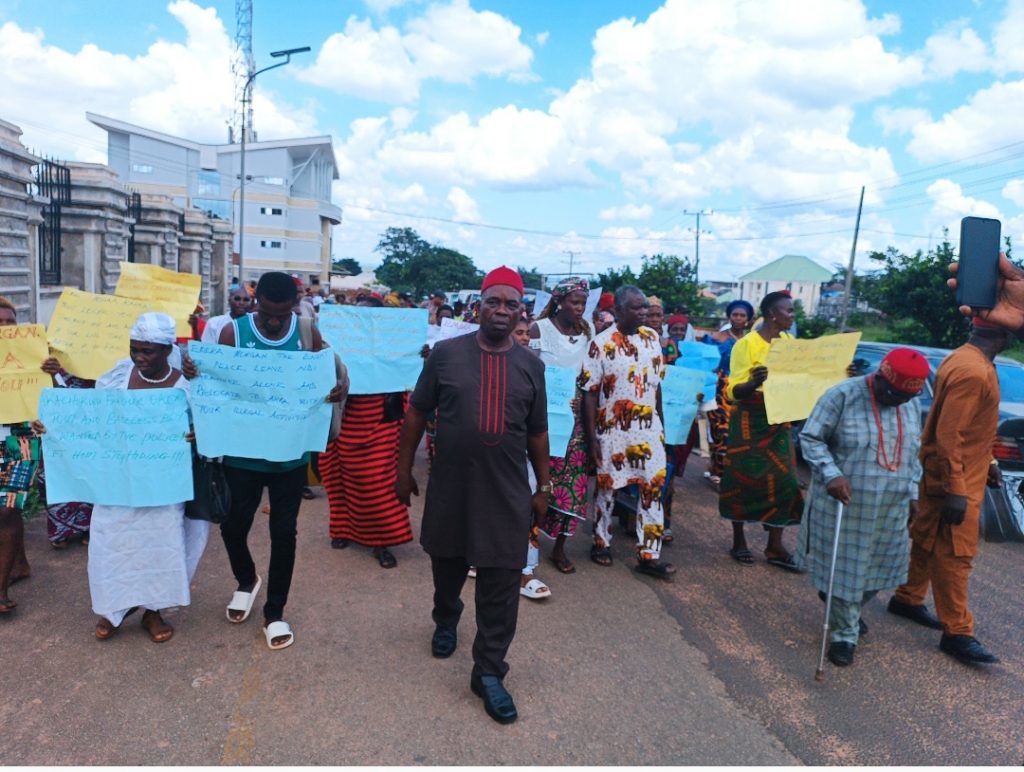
246,97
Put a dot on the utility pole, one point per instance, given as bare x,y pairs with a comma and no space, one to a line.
697,232
849,269
572,256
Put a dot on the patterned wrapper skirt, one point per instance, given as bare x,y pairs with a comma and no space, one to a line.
19,462
759,482
718,420
358,471
568,483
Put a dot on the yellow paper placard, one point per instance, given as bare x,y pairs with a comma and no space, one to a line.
800,371
167,291
89,333
22,351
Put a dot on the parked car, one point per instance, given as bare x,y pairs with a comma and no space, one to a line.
1003,511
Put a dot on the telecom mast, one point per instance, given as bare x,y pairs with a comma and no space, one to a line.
242,68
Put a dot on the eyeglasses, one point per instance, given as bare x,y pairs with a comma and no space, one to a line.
893,394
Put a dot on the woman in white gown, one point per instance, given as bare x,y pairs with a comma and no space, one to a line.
143,557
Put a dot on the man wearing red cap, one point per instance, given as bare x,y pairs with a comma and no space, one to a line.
492,414
861,442
956,452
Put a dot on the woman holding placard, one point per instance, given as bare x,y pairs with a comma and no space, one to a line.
143,556
358,471
19,462
561,337
759,483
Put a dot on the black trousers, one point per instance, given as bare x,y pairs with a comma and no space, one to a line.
285,493
497,609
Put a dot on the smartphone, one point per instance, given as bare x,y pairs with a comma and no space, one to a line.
978,275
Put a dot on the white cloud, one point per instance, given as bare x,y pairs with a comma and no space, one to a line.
463,206
179,88
542,38
1009,32
627,212
950,205
1014,191
956,48
452,43
900,120
381,7
984,122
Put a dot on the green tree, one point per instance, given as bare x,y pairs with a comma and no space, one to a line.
412,264
912,291
531,277
674,280
347,264
612,279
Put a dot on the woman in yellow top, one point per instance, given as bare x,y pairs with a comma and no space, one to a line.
759,483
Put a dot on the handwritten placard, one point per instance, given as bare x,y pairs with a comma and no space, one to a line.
254,403
679,391
167,291
380,346
560,386
22,351
116,447
450,328
800,371
88,333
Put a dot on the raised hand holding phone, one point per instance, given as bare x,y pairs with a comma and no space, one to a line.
977,277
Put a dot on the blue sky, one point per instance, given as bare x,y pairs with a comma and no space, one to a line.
589,127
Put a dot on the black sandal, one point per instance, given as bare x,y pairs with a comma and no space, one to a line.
385,558
339,544
655,569
742,556
787,563
601,555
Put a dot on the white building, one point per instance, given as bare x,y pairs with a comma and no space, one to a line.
800,275
288,209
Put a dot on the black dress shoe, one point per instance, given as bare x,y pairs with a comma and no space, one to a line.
917,614
967,648
840,653
497,701
442,645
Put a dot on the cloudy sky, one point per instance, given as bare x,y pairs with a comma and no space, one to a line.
518,130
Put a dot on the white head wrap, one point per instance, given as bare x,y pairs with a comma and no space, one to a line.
153,327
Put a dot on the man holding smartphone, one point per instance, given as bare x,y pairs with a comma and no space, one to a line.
956,455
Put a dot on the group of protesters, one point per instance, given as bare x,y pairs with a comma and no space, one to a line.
495,486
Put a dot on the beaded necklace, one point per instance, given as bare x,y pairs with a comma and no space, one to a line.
881,456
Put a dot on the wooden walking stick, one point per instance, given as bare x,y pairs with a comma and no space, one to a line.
819,674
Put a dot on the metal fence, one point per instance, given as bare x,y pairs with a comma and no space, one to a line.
53,181
133,204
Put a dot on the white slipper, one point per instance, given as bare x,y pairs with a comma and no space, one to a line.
535,589
471,573
279,629
242,601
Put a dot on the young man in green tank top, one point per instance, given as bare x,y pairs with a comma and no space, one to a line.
273,326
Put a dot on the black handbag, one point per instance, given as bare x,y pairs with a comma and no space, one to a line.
211,498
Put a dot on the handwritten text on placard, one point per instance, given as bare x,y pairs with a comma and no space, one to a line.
22,351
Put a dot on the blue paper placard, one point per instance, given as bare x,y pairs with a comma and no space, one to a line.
380,346
561,389
255,403
116,447
701,356
679,391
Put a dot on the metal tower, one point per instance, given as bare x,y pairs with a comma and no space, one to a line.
242,68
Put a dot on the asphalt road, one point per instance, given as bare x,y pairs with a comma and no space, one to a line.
714,668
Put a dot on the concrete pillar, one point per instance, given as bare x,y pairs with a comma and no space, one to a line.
94,232
220,266
157,233
195,249
16,210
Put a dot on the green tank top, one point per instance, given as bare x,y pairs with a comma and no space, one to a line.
247,336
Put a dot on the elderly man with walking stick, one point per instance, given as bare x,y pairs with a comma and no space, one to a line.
861,442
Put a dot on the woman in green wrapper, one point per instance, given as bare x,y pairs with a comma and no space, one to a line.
759,483
19,462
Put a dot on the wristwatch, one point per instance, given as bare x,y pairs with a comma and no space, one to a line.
544,488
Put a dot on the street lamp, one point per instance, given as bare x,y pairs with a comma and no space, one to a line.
241,190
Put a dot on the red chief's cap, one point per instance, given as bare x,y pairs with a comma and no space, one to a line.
503,275
905,370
